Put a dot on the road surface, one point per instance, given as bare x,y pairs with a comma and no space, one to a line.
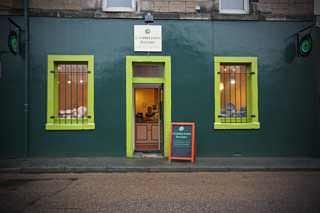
246,192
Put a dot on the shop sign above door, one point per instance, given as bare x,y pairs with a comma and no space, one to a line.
147,38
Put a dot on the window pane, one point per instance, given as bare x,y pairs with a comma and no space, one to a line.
148,70
119,3
232,4
233,90
72,90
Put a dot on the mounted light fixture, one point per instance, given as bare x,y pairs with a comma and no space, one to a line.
305,45
15,42
148,18
304,41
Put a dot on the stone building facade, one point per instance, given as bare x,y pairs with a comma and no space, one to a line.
172,9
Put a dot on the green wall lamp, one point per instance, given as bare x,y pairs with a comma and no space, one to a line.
13,42
14,38
304,41
304,45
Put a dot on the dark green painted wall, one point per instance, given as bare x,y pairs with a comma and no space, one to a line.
11,96
287,86
316,65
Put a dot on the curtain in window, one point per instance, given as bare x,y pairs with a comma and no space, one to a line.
72,90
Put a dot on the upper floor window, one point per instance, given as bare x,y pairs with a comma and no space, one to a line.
234,6
118,5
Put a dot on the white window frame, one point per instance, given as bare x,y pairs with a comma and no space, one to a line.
234,11
118,9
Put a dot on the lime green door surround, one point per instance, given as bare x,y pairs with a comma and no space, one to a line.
130,80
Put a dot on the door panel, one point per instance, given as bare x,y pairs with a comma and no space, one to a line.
155,132
141,133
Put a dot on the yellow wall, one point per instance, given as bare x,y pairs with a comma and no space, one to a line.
144,98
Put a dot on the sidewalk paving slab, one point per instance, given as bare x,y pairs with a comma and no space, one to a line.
118,164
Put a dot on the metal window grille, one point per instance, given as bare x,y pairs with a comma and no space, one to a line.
71,93
234,93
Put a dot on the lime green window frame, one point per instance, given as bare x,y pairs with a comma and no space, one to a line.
130,81
252,93
54,123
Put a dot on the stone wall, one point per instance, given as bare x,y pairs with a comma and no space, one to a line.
284,9
182,6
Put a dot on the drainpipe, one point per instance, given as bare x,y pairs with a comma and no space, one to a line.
26,77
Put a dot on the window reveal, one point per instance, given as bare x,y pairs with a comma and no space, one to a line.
72,90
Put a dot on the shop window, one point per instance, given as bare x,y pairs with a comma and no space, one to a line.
70,92
234,6
118,5
236,93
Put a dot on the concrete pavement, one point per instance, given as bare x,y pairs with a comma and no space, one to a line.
117,164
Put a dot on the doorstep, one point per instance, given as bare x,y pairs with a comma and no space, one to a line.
148,155
117,164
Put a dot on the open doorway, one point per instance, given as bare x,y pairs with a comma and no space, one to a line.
148,112
148,72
